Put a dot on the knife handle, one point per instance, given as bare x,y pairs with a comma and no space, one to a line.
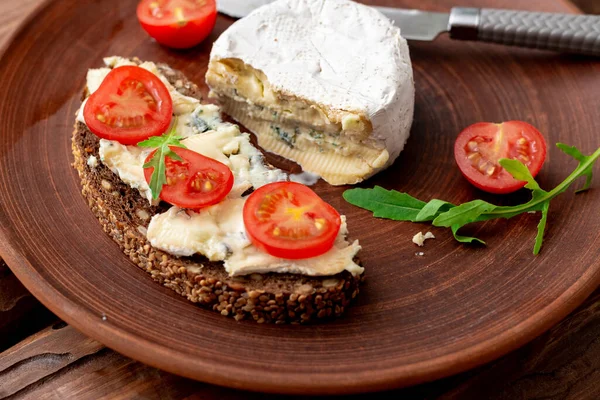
568,33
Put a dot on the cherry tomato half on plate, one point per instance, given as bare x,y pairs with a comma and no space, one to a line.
478,149
130,105
178,23
195,182
289,220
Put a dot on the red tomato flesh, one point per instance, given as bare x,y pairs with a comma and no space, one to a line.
197,181
131,105
177,23
289,220
479,147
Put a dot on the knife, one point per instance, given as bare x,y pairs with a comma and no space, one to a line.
568,33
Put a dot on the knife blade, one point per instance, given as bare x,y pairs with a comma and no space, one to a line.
417,25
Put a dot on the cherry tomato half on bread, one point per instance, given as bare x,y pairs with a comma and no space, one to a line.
178,23
289,220
130,105
478,149
195,182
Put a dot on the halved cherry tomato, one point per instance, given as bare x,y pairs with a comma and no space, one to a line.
130,105
177,23
478,149
195,182
289,220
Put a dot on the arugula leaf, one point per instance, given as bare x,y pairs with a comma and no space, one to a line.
464,239
403,207
571,151
157,162
541,228
576,154
383,203
463,214
520,172
432,210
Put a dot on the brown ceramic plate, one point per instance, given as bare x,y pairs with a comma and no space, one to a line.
417,317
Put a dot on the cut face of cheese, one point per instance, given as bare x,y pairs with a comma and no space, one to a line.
326,83
338,159
217,232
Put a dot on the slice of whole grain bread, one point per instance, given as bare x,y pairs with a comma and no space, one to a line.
124,214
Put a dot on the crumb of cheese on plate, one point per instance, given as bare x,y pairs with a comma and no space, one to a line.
419,238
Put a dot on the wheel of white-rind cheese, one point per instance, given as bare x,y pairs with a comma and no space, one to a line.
325,83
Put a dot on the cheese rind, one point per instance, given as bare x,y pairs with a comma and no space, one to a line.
336,66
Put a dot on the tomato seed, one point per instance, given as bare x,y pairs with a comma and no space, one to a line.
178,11
320,223
473,146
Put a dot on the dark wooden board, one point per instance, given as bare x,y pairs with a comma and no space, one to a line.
15,304
418,318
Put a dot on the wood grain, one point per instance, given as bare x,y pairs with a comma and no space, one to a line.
12,14
15,300
588,6
41,355
564,363
421,56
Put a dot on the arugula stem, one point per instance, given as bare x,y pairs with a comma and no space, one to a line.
554,192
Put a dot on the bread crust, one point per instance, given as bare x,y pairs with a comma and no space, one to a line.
124,215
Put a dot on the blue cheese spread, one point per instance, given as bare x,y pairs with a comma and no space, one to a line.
215,232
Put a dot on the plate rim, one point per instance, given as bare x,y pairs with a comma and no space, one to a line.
425,371
126,343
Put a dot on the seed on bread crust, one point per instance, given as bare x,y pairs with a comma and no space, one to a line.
264,298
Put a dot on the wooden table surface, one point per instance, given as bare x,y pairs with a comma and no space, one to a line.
41,357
